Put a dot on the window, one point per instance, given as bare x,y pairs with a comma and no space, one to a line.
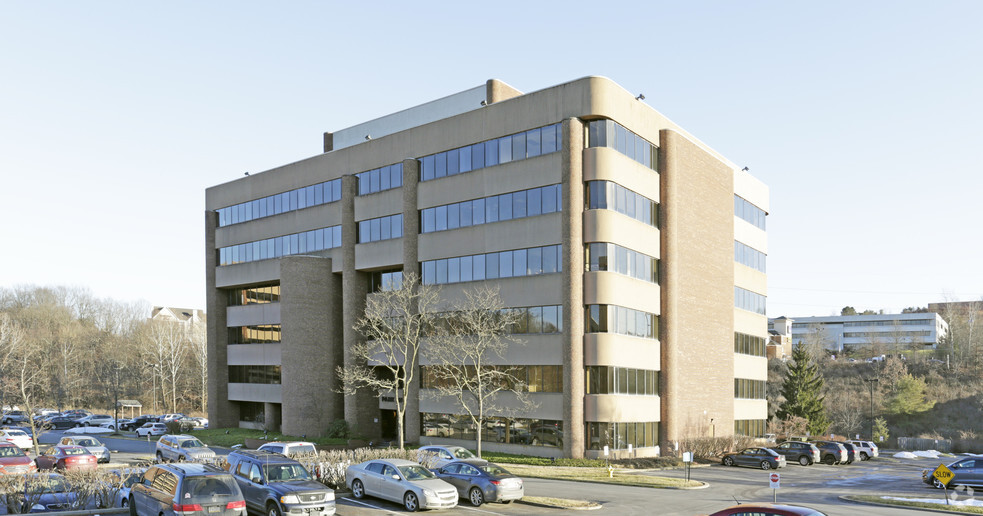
621,380
503,264
617,436
602,256
321,193
306,242
254,374
749,389
254,295
605,195
513,205
608,133
621,320
255,334
747,255
743,209
382,228
380,179
750,301
514,147
749,345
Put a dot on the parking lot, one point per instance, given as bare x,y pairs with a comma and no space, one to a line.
818,486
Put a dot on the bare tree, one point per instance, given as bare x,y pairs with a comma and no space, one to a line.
19,360
199,352
394,325
163,355
463,357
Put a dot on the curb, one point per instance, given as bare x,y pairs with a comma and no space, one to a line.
703,485
846,498
594,507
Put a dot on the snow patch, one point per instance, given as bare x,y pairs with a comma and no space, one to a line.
88,430
928,454
905,455
967,502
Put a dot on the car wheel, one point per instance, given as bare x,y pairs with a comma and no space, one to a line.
728,461
273,510
828,460
864,456
804,461
78,425
160,458
358,490
180,458
765,464
937,484
411,502
476,496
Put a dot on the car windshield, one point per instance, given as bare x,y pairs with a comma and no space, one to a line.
463,453
286,473
10,451
48,485
415,472
203,488
18,433
88,442
192,443
493,470
74,451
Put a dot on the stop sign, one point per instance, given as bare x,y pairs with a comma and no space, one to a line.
774,478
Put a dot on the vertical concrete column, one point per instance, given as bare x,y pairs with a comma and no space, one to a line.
669,272
411,264
221,411
572,179
272,415
497,91
361,408
312,347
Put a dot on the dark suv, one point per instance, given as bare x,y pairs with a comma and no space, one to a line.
795,451
137,422
274,485
180,489
832,452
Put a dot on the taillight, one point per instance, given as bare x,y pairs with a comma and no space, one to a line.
186,508
496,482
239,504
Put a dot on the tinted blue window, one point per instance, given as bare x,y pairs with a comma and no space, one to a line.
479,211
533,148
505,207
518,146
534,202
491,153
453,162
429,220
440,164
477,156
465,160
505,149
427,168
518,205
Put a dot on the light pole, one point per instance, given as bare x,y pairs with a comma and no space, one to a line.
871,382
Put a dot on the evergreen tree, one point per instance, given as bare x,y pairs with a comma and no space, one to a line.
909,396
803,393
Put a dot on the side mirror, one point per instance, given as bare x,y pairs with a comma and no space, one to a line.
396,477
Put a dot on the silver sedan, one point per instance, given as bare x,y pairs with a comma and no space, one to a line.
400,481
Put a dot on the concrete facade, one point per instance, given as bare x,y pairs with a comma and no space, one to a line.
635,298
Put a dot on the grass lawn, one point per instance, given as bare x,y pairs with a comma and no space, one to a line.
599,475
959,509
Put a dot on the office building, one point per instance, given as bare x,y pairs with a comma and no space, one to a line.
876,332
635,251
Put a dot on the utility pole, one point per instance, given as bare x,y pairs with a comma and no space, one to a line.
871,382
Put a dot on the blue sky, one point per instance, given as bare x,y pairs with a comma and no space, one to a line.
862,117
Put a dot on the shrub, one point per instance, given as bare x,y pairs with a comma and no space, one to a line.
338,429
328,467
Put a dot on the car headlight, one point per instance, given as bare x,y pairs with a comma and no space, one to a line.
38,507
329,497
429,493
289,499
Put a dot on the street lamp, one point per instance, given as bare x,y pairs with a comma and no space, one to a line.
871,382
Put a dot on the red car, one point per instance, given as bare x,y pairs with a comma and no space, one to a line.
65,458
14,461
767,509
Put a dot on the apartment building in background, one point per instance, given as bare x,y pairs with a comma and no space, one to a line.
635,252
887,332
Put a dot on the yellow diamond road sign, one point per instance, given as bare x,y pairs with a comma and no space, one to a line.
943,474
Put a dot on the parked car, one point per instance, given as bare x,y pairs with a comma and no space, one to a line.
93,445
965,472
151,429
137,422
290,448
514,435
13,460
434,456
763,458
124,482
93,420
48,493
14,416
547,435
17,436
867,449
200,422
796,451
851,452
182,448
832,452
274,485
171,417
480,481
400,481
180,489
59,422
767,509
65,458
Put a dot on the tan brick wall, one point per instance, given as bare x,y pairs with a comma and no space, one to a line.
697,326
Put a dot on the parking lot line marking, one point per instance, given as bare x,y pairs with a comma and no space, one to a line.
366,504
476,509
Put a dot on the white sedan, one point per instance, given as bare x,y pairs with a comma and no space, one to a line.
400,481
17,436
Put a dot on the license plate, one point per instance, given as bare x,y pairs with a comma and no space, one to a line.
214,508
